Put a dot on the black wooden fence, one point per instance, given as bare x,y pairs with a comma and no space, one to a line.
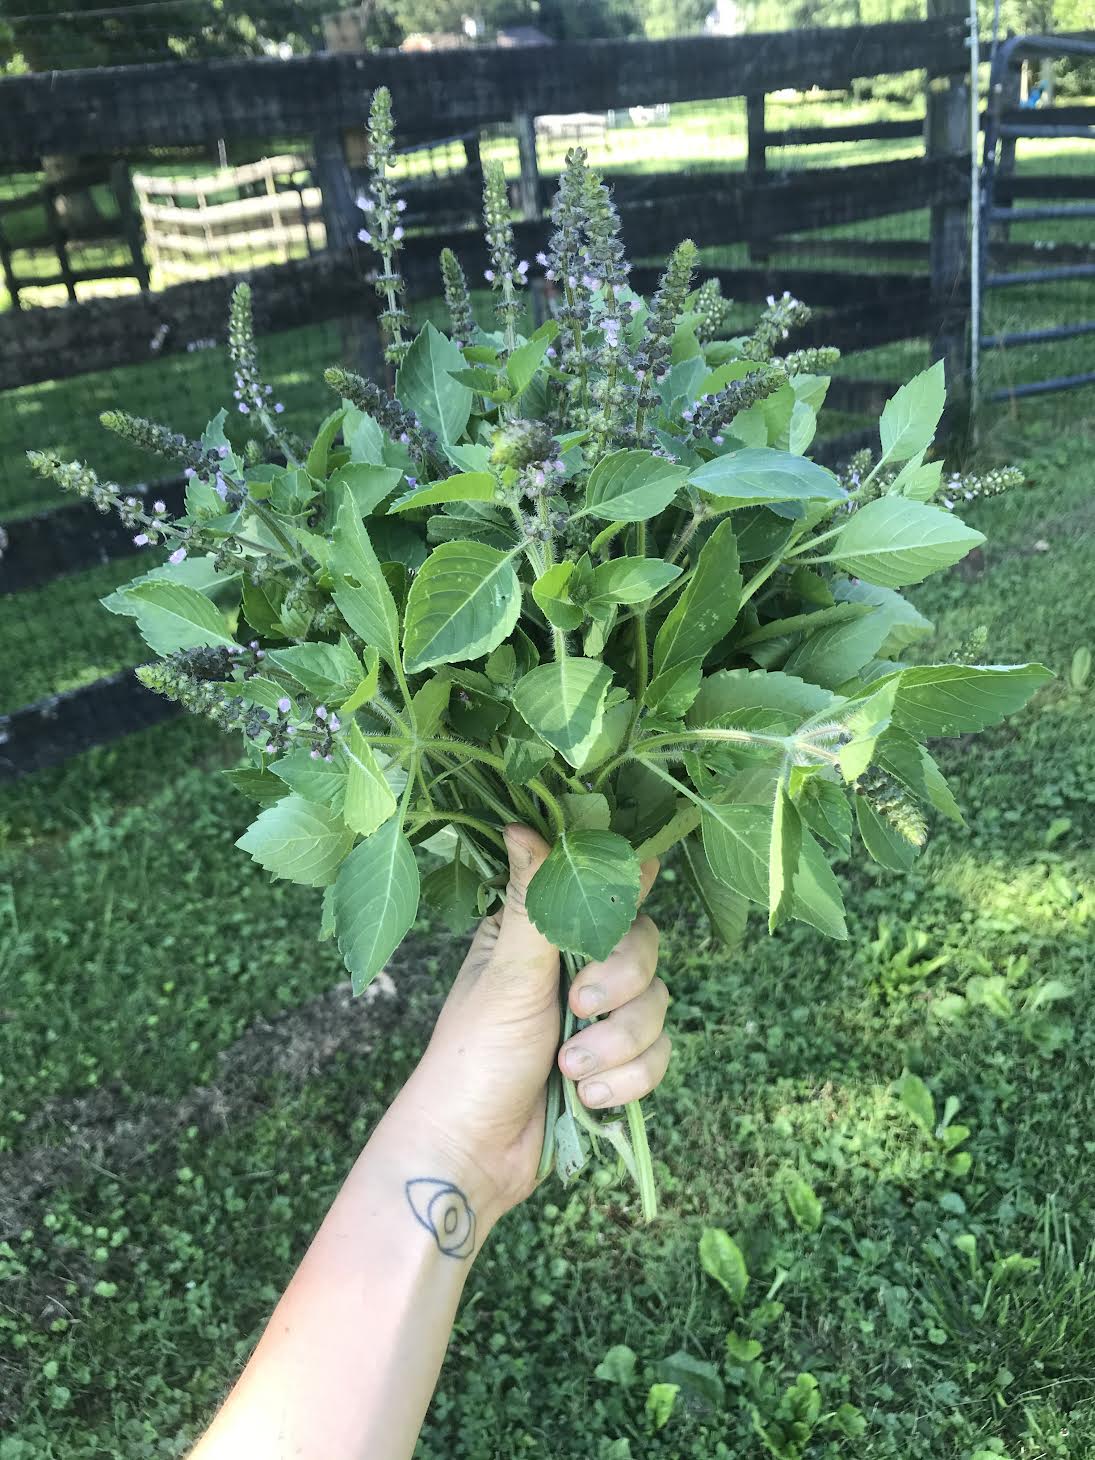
326,97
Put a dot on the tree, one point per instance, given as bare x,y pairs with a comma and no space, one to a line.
673,17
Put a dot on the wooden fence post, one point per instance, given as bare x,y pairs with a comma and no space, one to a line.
528,187
947,141
756,160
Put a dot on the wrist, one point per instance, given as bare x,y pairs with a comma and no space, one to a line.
428,1150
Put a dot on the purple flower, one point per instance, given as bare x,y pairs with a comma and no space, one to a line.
717,440
221,487
412,481
397,232
404,438
222,451
315,754
364,203
364,236
400,205
189,473
141,540
559,464
245,409
539,478
488,274
176,557
321,712
159,506
640,374
522,268
947,502
334,723
328,758
549,275
238,395
268,390
278,408
260,653
634,305
550,352
689,415
253,644
542,259
285,704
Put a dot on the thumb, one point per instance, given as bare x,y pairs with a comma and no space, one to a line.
518,940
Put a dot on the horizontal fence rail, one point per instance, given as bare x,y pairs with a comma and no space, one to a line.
439,91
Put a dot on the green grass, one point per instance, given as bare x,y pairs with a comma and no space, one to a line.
163,1162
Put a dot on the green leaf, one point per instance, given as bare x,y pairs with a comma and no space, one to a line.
833,655
617,1366
906,624
585,810
630,580
727,910
585,895
468,486
171,616
609,738
362,435
783,854
865,721
430,701
551,592
824,807
257,783
742,1350
368,485
721,1258
706,609
910,418
759,474
630,486
463,603
737,840
367,686
564,703
327,671
672,693
316,462
802,1202
918,479
524,754
425,386
361,592
960,699
524,362
452,891
301,841
316,780
660,1400
734,692
376,899
195,572
884,842
895,541
917,1100
369,798
908,762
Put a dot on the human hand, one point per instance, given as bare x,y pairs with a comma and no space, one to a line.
480,1088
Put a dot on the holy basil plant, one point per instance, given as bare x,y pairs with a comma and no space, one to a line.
587,578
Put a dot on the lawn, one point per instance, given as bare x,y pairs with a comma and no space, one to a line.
184,1083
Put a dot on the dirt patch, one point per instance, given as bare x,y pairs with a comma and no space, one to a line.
103,1132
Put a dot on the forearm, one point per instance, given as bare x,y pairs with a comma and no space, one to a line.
348,1362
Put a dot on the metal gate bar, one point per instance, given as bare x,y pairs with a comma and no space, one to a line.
1004,122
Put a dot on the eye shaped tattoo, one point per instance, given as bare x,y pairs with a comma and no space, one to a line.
444,1211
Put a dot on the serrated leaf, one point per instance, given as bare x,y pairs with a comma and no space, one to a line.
524,754
783,854
660,1400
468,486
362,435
452,891
884,842
895,541
369,798
195,572
760,474
523,363
706,608
551,593
727,910
171,616
585,895
564,703
907,625
376,899
316,462
317,780
463,603
721,1258
585,810
366,483
865,722
367,686
908,762
430,701
672,693
298,840
919,480
361,591
917,1100
802,1202
833,655
327,671
960,699
256,783
631,486
425,385
617,1366
630,580
732,692
910,417
824,808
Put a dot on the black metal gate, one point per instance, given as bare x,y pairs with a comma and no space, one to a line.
1005,122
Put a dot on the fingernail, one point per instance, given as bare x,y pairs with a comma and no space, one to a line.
578,1061
596,1093
591,998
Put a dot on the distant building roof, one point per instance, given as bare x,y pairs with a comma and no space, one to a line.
523,35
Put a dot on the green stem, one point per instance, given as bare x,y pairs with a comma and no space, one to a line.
274,530
808,547
461,818
642,646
